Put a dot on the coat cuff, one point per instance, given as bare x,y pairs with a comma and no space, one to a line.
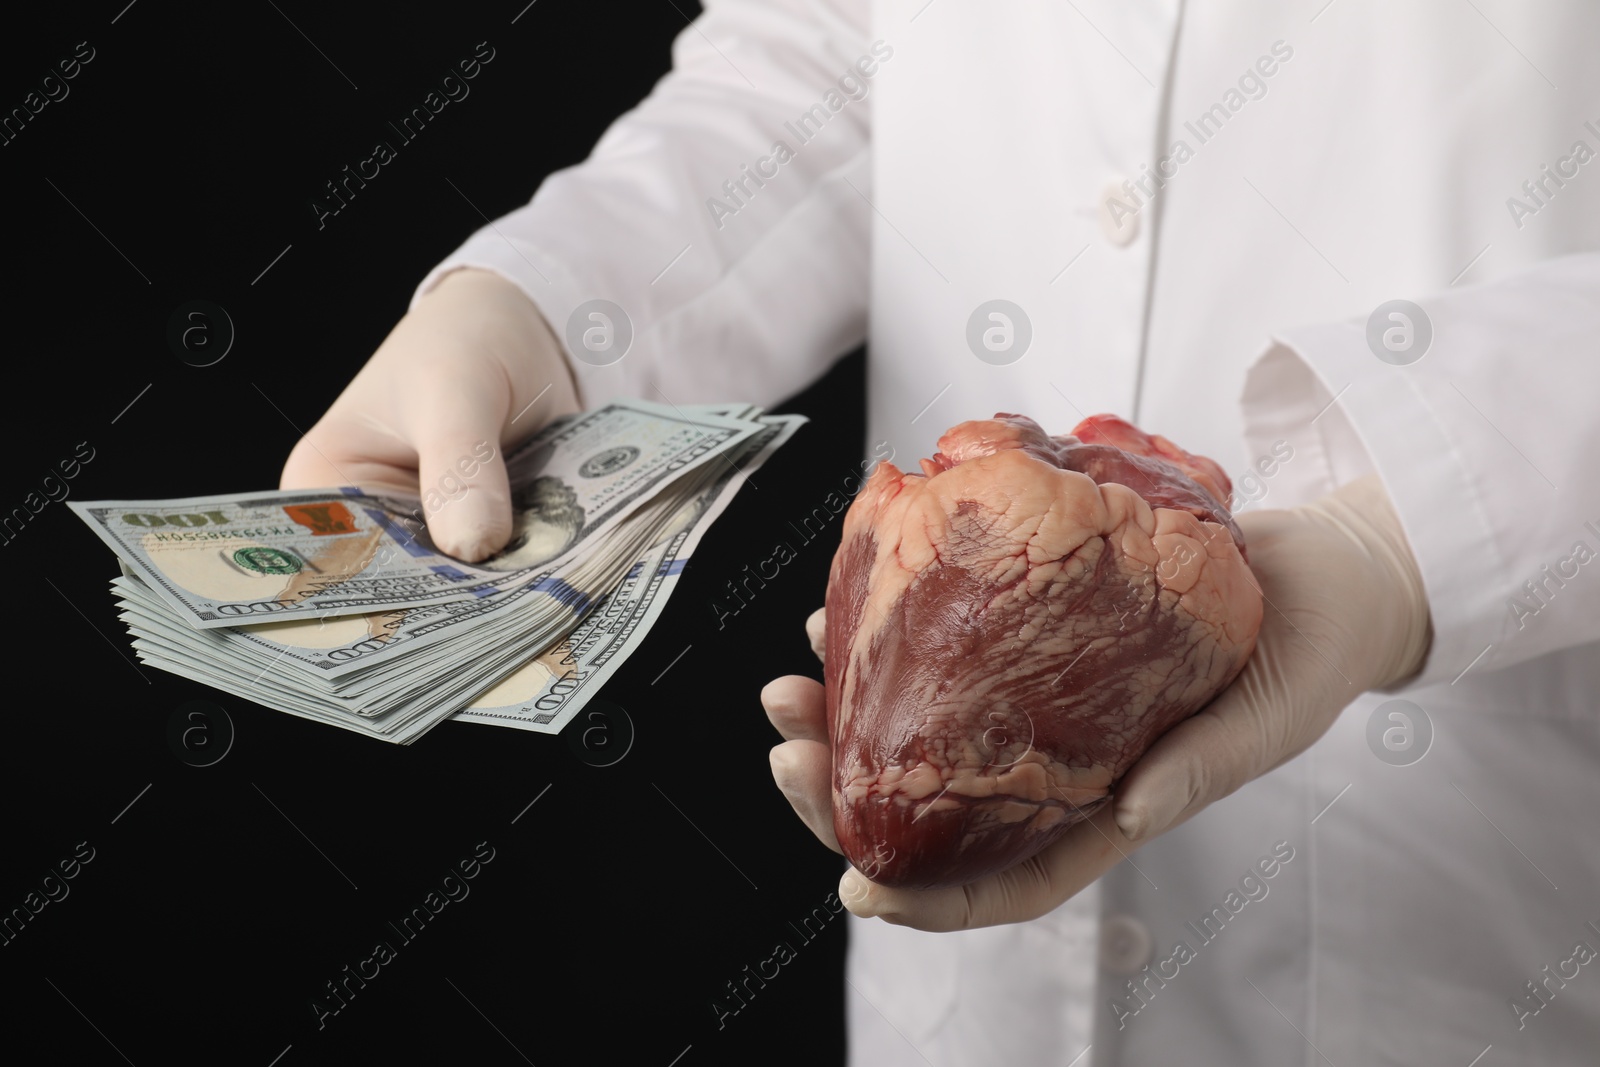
554,290
1346,413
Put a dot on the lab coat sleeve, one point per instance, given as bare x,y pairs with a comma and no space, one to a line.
1487,446
739,291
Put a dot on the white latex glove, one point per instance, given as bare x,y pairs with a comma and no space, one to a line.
451,384
1345,612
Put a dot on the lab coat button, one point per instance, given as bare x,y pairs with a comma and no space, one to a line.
1125,945
1119,215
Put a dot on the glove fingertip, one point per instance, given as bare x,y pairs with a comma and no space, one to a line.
817,632
471,529
1132,821
856,894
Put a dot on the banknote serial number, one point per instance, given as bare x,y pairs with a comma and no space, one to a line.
259,532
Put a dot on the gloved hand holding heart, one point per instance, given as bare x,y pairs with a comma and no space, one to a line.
1011,629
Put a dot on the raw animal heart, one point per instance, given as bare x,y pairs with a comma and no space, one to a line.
1008,631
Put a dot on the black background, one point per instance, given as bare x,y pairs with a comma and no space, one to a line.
616,908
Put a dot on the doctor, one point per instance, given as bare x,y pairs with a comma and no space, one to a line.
1347,250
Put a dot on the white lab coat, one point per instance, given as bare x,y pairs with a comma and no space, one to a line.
1227,314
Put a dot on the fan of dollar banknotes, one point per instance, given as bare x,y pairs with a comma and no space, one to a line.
334,605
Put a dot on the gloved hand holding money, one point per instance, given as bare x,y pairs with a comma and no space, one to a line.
335,605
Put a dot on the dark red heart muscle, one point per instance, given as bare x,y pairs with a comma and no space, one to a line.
1009,630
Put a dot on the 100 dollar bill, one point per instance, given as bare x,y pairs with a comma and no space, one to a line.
267,557
258,557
